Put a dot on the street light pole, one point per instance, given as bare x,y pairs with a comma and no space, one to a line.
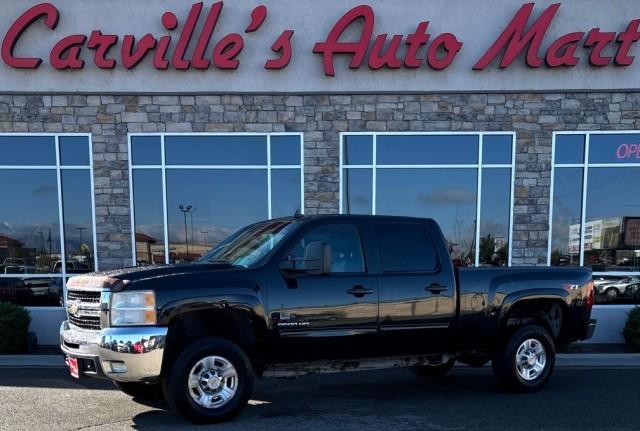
40,241
191,217
186,210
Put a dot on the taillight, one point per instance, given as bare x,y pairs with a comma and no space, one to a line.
589,297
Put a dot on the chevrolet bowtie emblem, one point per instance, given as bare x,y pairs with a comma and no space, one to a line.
72,307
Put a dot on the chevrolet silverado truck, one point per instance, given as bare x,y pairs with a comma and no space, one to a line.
290,296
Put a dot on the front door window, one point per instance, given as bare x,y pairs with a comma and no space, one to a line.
346,250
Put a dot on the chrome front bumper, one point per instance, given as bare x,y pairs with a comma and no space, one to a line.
132,354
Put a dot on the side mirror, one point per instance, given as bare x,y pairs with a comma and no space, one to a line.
316,261
317,256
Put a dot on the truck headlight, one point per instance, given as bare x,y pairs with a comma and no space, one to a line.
133,308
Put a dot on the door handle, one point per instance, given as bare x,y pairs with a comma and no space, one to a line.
359,291
436,288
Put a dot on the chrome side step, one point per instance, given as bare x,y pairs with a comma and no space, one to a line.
339,366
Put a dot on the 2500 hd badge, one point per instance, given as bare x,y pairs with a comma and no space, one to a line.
289,296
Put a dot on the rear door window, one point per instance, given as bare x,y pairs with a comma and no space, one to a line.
405,247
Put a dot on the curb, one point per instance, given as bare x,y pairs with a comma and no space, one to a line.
35,361
598,360
563,360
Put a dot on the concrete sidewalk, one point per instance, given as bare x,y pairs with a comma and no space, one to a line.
564,360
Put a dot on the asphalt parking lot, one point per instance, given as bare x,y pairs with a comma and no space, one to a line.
585,399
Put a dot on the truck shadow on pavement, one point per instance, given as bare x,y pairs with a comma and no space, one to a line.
391,400
54,378
398,400
349,401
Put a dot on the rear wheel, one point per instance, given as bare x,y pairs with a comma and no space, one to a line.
433,371
210,381
526,361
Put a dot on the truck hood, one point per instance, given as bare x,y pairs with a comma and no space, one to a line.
141,273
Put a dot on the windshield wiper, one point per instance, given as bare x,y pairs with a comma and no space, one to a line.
225,262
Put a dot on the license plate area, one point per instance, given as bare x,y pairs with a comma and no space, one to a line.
73,367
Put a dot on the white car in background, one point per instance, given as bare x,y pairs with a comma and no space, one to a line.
616,288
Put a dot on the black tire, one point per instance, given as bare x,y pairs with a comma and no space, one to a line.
141,391
507,372
431,371
176,388
611,293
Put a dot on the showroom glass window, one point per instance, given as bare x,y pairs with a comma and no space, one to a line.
191,191
46,216
595,210
462,180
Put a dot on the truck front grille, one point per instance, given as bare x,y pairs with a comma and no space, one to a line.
83,308
84,296
85,322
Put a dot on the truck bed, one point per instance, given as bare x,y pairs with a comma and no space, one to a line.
484,294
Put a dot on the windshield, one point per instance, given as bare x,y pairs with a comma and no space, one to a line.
247,246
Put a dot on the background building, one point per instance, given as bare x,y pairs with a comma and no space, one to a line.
149,132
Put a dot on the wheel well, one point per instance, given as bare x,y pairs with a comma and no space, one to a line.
237,326
551,314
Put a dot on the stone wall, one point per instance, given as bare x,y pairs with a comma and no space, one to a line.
321,117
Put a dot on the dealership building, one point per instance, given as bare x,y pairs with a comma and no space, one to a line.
139,133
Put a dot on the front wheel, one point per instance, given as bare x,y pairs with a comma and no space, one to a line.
526,361
210,381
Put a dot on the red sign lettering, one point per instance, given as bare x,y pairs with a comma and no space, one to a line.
448,43
357,49
195,48
178,60
597,41
102,43
281,46
379,57
44,10
226,51
66,53
626,39
415,41
562,52
199,61
513,39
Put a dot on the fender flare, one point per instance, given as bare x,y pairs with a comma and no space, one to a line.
248,303
515,298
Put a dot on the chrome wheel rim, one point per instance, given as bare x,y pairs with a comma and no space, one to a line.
213,382
531,359
611,293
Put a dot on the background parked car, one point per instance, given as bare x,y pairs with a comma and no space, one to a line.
633,290
616,289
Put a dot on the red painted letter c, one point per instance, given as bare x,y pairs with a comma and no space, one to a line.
51,16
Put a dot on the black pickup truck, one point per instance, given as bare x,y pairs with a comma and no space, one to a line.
290,296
